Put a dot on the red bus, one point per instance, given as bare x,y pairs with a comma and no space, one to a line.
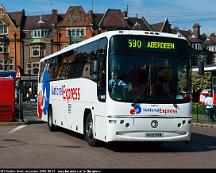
7,99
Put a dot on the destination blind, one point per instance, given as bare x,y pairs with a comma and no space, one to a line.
139,44
160,45
142,44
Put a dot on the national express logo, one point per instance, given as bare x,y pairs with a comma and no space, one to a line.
44,93
137,110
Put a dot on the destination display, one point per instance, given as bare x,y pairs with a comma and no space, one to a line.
132,44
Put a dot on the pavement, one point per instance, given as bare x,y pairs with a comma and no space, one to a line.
210,125
30,115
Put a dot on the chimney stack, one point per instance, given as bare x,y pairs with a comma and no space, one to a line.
125,14
196,30
54,16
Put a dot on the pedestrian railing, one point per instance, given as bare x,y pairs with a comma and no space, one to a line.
199,114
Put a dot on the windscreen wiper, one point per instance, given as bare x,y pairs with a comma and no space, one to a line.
143,89
140,94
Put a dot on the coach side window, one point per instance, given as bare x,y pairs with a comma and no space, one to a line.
71,65
58,69
102,52
41,71
93,53
65,66
53,68
86,61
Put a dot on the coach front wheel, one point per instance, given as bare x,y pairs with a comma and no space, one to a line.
89,134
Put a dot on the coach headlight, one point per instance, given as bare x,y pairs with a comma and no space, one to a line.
112,121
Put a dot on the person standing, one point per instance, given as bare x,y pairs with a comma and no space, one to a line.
27,97
209,107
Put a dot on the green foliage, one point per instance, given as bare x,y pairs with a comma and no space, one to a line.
201,82
200,108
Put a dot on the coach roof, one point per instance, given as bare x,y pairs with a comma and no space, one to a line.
112,33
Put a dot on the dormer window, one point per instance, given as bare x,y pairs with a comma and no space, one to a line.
3,28
39,33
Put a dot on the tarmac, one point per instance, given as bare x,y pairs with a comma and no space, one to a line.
30,115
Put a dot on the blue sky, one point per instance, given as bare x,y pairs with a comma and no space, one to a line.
181,13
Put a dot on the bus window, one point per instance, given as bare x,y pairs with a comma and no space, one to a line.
41,71
102,50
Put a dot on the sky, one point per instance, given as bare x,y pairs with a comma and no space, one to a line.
180,13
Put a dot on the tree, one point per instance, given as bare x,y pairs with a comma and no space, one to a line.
199,83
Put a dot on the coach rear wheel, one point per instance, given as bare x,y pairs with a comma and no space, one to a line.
89,134
51,126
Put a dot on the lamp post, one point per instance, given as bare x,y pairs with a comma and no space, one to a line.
58,39
70,36
23,55
51,46
15,49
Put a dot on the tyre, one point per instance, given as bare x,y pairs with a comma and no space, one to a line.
89,133
51,126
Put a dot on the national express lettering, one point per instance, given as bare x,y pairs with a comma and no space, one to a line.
67,93
161,111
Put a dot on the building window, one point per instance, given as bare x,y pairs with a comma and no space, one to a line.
35,68
39,33
35,51
28,69
38,51
1,64
3,47
211,48
42,52
76,32
8,64
3,28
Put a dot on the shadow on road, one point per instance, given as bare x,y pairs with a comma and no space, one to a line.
31,122
71,133
199,143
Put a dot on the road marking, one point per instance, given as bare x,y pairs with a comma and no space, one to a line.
16,129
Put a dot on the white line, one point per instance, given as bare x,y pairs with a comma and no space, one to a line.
16,129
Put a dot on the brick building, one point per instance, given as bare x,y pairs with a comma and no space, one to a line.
75,26
38,39
10,39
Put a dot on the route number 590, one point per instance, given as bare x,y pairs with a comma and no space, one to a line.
133,43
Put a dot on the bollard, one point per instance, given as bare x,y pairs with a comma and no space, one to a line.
197,112
21,114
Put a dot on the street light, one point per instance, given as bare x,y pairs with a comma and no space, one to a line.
15,49
70,36
23,55
58,39
51,46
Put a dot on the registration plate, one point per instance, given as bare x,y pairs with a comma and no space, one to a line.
154,135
